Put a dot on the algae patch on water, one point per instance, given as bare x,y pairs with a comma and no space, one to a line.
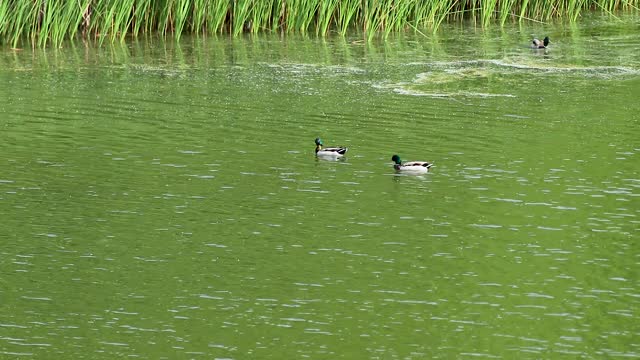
451,81
495,78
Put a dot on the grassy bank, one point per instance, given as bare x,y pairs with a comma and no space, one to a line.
44,22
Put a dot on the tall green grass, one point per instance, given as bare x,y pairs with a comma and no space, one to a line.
39,23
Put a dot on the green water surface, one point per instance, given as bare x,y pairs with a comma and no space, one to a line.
162,200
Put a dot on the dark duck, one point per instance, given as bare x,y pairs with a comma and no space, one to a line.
540,44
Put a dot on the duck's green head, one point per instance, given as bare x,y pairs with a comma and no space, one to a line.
319,142
546,41
396,159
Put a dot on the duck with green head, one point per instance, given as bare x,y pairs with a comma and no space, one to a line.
329,152
415,167
540,44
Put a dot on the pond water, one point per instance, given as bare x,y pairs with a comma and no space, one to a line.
162,200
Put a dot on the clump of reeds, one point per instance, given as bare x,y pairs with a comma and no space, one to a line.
43,22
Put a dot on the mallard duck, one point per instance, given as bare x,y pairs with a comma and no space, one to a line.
540,44
329,152
419,167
